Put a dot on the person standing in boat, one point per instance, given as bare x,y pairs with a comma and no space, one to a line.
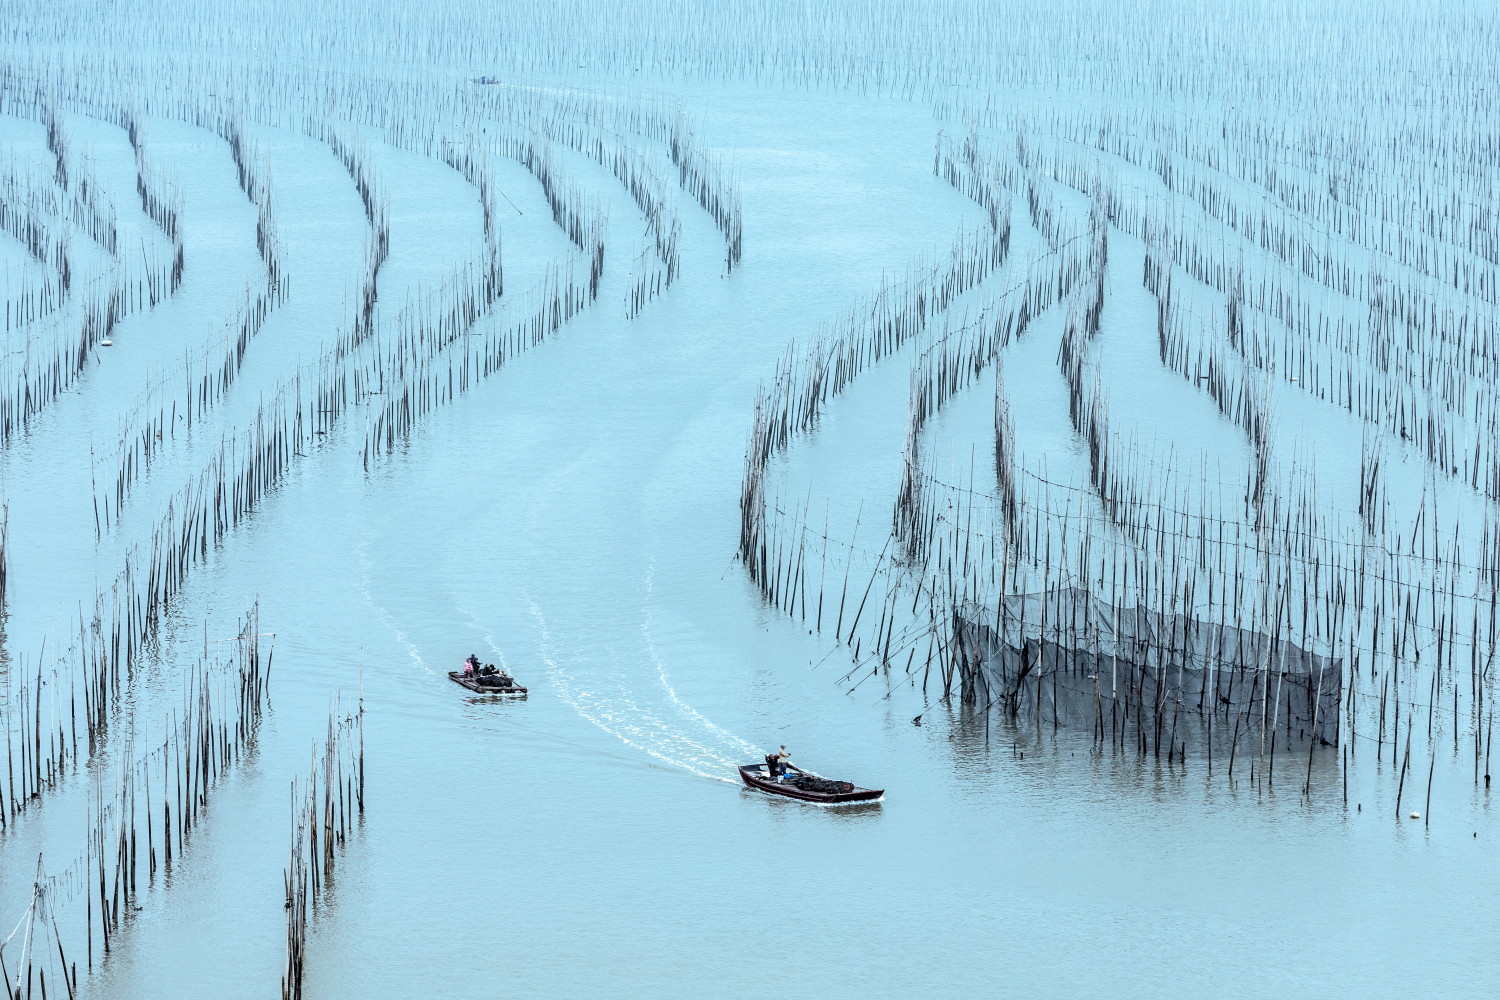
471,665
776,763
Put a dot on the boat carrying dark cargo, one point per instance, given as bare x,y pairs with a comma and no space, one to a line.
799,784
477,685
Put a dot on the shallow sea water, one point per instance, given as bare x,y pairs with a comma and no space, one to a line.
574,518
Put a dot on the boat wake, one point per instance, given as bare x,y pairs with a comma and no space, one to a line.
486,635
380,612
740,747
601,689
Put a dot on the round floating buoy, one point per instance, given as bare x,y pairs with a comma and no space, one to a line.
1415,814
105,343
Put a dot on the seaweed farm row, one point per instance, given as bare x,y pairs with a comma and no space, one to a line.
1079,423
74,709
1147,587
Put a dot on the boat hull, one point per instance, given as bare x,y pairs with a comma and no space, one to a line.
754,776
462,680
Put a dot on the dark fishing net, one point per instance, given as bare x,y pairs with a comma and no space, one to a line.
495,680
1068,658
812,783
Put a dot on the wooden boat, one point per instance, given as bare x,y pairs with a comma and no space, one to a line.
755,776
469,681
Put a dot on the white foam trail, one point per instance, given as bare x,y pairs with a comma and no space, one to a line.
624,719
661,674
364,579
487,637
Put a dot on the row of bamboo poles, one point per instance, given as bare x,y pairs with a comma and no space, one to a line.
42,212
206,379
702,175
1137,548
30,213
115,635
602,129
208,374
253,460
1237,376
248,465
354,153
222,357
451,362
91,675
56,357
90,209
1227,166
1399,351
1376,635
60,353
808,379
161,199
327,804
1446,569
1436,220
143,817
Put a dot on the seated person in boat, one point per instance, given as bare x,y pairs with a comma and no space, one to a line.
486,675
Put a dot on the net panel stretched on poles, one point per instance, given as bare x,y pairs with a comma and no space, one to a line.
1066,658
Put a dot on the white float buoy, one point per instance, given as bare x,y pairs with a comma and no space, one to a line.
105,343
1415,814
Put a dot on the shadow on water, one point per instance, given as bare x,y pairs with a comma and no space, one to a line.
846,810
492,701
985,747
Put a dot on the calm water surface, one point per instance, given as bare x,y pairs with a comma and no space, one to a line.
575,518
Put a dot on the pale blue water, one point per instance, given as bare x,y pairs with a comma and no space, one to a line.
575,518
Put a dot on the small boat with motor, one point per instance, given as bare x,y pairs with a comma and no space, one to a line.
486,679
796,783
